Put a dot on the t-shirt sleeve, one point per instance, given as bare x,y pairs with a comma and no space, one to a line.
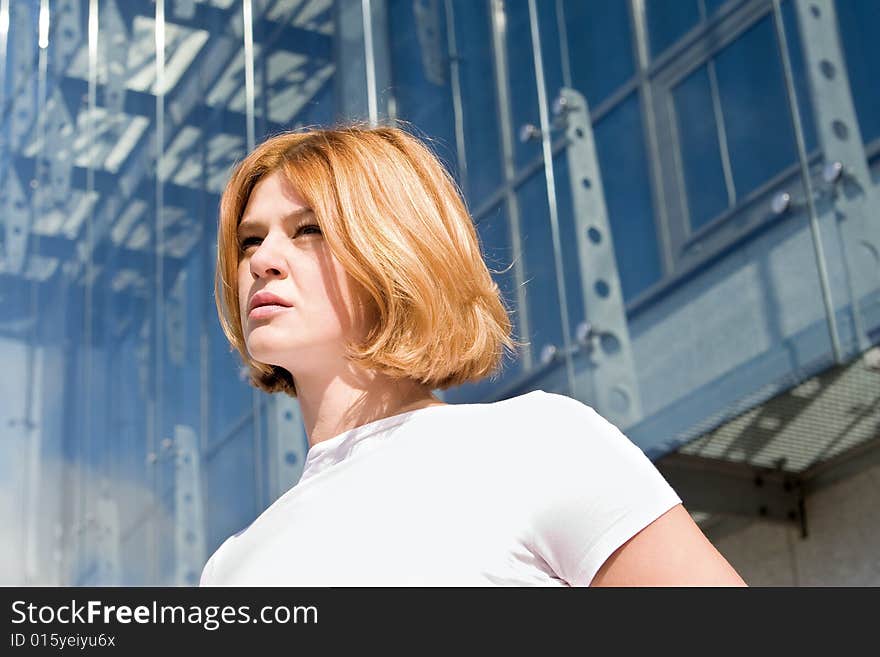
207,578
594,490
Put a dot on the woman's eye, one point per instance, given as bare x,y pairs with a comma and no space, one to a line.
310,229
305,228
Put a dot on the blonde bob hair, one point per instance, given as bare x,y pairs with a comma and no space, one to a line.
395,220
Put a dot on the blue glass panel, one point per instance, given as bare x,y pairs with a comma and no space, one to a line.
126,333
624,165
756,116
537,243
420,72
523,91
859,31
599,46
700,152
229,472
669,20
477,75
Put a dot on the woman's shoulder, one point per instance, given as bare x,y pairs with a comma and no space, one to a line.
553,411
559,423
535,402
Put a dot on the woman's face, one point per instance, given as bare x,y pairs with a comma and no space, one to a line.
284,252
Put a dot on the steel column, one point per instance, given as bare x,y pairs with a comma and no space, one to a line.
189,517
288,444
854,197
505,132
610,383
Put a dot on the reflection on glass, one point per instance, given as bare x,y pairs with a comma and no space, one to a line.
700,153
756,117
130,336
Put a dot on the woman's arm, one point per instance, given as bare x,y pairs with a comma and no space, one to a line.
671,551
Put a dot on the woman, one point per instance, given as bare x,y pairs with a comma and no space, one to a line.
350,277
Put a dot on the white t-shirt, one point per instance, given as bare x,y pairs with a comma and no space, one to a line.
536,490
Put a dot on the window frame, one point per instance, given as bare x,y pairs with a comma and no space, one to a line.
691,250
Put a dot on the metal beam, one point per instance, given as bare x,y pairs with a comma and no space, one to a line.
851,462
507,192
736,489
729,490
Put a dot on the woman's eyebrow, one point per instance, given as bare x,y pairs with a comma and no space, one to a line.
244,226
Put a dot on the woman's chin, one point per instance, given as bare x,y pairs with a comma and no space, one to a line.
265,353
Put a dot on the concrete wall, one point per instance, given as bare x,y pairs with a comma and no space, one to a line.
842,547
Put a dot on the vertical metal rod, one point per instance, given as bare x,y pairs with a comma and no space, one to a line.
4,39
32,436
649,126
258,452
247,15
250,120
263,90
370,63
109,410
4,34
551,192
158,354
807,182
505,130
90,136
564,55
86,361
43,25
40,202
455,84
205,306
721,130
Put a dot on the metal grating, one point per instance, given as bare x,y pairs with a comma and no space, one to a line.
762,462
815,421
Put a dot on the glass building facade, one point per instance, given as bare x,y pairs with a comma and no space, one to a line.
679,200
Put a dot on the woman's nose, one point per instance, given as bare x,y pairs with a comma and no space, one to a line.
267,260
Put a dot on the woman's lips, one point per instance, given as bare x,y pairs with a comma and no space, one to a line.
261,312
